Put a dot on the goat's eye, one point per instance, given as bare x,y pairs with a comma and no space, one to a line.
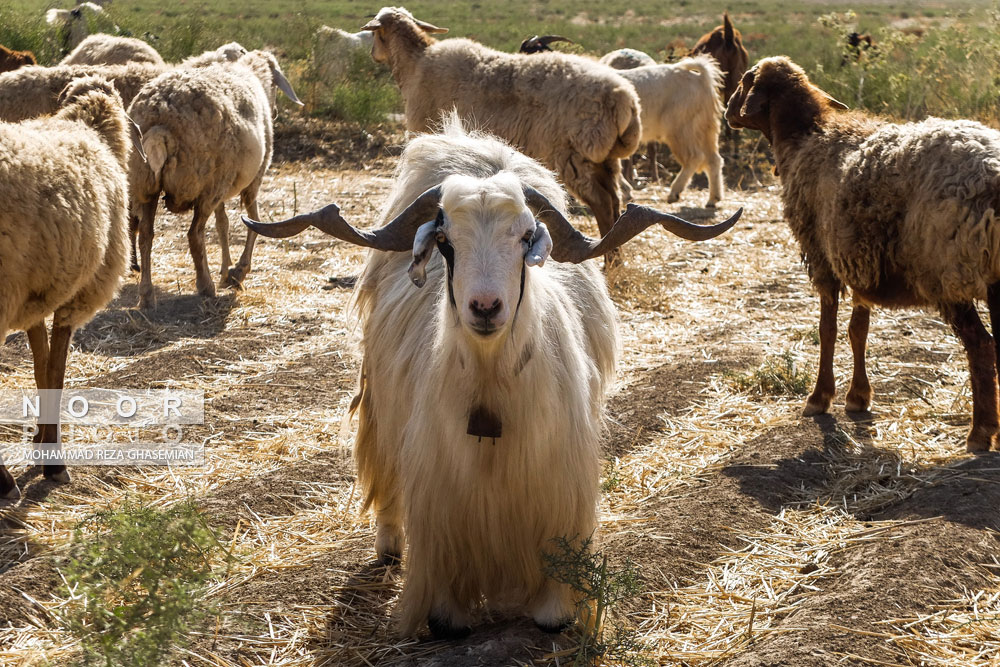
528,235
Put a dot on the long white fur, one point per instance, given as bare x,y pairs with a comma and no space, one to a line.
478,515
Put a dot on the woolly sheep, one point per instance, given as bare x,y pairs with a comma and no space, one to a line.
34,91
903,214
73,25
333,50
576,116
230,52
208,136
481,394
681,108
12,60
64,224
626,59
104,49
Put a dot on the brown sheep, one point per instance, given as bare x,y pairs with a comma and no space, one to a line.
576,116
903,214
12,60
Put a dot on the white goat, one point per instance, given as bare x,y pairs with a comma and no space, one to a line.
73,25
333,50
481,395
681,108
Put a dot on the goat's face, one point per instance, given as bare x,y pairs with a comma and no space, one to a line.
491,235
390,19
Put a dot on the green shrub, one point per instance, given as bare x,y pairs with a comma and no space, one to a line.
136,576
778,376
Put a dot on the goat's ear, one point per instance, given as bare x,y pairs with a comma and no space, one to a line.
423,246
835,103
372,25
541,246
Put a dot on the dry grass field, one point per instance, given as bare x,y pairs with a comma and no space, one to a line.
761,537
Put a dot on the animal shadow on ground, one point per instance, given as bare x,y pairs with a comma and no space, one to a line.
363,623
121,330
966,492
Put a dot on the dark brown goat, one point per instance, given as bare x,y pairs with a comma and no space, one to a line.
725,44
12,60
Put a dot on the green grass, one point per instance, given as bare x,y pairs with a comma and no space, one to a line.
950,71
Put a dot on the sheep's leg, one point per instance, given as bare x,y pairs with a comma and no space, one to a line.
133,231
826,387
39,343
147,299
859,395
448,620
651,152
716,186
680,182
981,351
49,434
993,301
196,243
242,268
554,609
222,229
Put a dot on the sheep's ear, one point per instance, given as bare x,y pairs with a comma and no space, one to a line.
835,103
541,246
282,83
429,28
753,104
423,246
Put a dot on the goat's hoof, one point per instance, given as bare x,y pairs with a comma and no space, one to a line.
7,482
443,629
207,291
60,476
135,267
390,558
673,199
146,303
554,628
711,204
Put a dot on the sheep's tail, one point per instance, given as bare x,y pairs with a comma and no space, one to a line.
629,131
727,30
712,77
158,144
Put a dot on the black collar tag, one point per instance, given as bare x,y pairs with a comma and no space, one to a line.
484,424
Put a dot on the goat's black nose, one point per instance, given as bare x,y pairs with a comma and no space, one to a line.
484,311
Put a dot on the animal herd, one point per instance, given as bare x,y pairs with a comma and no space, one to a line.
488,336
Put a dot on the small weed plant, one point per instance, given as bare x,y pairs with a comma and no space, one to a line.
136,576
778,376
599,587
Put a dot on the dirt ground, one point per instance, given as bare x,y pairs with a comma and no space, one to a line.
762,537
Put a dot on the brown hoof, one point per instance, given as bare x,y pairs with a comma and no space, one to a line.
816,406
443,629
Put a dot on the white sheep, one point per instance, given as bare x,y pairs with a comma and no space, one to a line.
626,59
681,108
333,51
31,92
481,394
73,25
903,214
230,52
102,49
576,116
208,134
64,225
